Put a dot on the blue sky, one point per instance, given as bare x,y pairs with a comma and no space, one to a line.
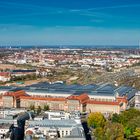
69,22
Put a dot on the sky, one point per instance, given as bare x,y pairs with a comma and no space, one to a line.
69,22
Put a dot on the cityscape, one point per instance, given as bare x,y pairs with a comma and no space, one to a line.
69,70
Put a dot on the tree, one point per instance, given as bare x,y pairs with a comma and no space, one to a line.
39,110
115,118
111,131
130,119
46,107
96,120
137,133
32,107
99,133
131,127
134,123
126,116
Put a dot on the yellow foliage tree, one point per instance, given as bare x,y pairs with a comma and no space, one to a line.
96,120
137,133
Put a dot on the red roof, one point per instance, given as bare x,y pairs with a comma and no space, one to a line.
122,99
16,93
102,102
29,132
42,98
82,98
5,74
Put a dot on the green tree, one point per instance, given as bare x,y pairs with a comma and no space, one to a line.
39,110
96,120
32,107
130,119
115,117
126,116
46,107
134,123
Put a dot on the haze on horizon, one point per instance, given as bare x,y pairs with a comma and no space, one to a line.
69,22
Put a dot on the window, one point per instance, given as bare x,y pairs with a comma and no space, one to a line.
66,133
62,133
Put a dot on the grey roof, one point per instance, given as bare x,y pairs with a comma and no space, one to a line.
77,89
126,91
50,123
6,87
76,133
7,121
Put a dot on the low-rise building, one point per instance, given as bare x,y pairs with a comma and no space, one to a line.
5,113
4,129
137,100
55,128
5,76
57,115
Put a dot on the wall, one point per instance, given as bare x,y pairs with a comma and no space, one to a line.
103,108
8,101
53,105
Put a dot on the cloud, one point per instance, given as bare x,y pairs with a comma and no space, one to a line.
97,20
115,7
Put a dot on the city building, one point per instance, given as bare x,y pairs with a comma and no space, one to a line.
77,98
4,129
55,128
11,99
106,107
5,76
76,103
137,100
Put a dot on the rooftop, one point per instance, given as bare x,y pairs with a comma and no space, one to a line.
42,98
75,89
82,98
50,123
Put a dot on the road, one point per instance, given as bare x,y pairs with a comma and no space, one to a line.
86,129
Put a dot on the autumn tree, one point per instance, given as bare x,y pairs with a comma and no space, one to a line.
96,120
137,133
114,131
130,119
111,131
99,133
